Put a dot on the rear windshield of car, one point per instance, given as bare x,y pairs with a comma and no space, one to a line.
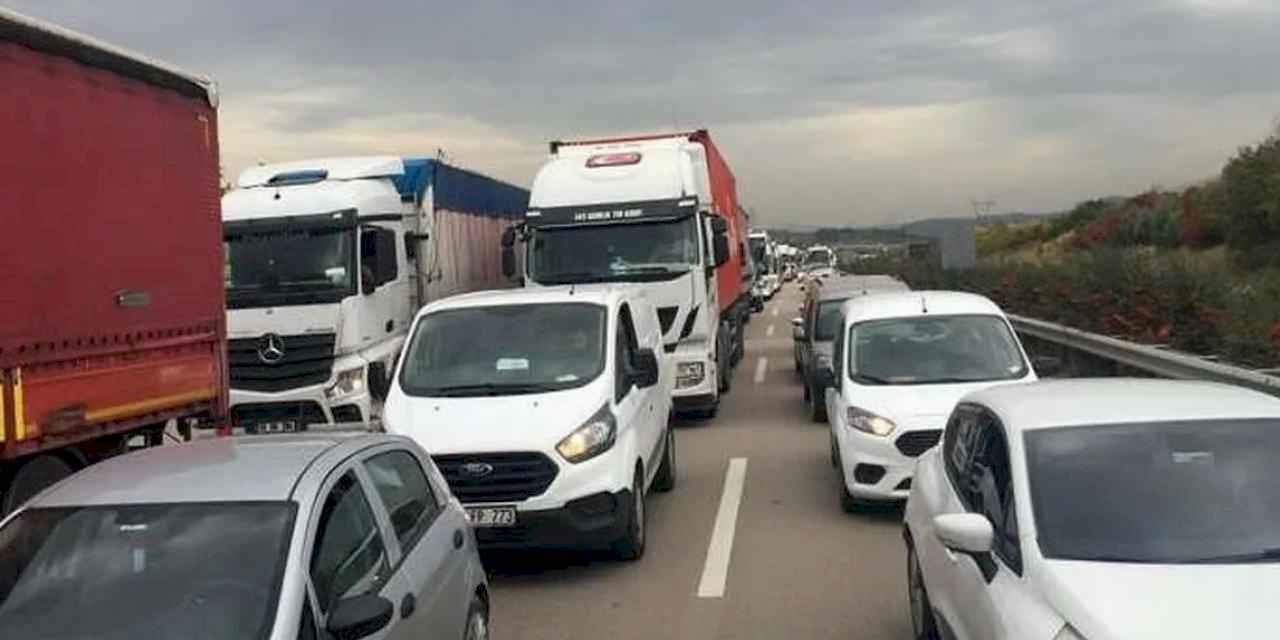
507,349
163,572
934,350
1184,492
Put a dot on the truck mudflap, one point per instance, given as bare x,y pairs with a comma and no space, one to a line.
64,401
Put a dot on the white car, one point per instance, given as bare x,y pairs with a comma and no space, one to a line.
546,409
901,362
1107,509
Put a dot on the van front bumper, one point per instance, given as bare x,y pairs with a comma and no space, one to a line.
590,522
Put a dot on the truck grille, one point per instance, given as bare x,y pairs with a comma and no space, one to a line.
914,443
496,477
307,360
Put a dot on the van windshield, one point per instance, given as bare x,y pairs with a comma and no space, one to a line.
934,350
505,350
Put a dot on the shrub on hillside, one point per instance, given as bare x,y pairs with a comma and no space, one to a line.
1251,195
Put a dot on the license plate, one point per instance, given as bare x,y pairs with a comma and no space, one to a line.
278,426
492,516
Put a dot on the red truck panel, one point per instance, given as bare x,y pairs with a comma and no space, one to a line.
112,303
724,194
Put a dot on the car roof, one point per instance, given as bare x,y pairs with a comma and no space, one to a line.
1087,402
909,304
231,469
602,294
847,286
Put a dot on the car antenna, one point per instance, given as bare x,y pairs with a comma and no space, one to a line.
924,304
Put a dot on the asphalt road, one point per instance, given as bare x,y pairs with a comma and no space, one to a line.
794,565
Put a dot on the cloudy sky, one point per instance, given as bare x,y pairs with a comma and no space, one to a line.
831,112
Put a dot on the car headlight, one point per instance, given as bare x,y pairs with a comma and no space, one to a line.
593,438
1068,633
871,423
690,374
348,383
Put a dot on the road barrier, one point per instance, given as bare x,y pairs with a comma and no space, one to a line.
1155,360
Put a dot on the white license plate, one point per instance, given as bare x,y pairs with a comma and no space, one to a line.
279,426
492,516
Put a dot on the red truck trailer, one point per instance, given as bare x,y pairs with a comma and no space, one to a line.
111,308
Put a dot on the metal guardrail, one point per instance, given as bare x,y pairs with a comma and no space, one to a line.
1156,360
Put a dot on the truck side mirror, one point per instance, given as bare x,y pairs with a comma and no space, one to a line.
509,252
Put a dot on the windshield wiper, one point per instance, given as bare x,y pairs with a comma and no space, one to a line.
490,389
1263,555
869,379
572,277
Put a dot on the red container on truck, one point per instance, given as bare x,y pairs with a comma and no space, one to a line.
661,211
111,309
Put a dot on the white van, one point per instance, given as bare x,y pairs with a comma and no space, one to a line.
546,409
901,362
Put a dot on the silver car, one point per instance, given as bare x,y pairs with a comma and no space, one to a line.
256,537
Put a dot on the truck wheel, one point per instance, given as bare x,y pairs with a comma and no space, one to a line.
666,478
34,476
631,546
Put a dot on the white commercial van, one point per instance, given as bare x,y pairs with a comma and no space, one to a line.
546,409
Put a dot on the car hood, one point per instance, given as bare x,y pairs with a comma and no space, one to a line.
528,422
1113,601
917,406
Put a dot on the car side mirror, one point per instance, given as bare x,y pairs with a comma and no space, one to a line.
964,532
360,617
646,372
1046,366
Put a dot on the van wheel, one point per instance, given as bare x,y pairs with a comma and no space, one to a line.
34,476
477,620
666,478
631,546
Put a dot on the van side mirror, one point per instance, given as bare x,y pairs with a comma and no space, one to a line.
379,380
360,617
646,373
1046,366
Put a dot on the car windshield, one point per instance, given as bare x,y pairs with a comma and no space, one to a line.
162,572
934,350
1184,492
606,253
303,266
828,323
502,350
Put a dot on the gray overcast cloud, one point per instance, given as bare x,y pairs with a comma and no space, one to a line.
830,112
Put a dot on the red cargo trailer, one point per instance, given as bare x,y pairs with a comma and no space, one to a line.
111,308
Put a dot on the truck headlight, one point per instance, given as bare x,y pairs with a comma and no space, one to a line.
593,438
690,374
348,383
868,422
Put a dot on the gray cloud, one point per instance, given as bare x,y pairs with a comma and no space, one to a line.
831,112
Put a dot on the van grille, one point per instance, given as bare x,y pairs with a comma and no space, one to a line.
510,477
914,443
307,360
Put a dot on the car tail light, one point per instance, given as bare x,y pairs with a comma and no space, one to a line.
613,160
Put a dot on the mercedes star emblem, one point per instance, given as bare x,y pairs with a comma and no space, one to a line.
271,349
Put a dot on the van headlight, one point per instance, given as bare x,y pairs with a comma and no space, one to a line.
690,374
593,438
868,422
348,383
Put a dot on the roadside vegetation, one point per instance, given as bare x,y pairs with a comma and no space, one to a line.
1197,269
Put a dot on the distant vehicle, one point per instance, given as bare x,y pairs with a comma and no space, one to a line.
661,211
819,258
901,362
282,536
327,262
768,269
814,332
112,322
547,409
1049,506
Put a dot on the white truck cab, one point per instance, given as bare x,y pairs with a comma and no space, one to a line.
547,410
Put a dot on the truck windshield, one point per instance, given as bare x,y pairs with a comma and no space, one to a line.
759,248
607,253
162,571
505,350
289,267
820,257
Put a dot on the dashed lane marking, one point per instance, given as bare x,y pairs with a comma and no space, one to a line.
716,571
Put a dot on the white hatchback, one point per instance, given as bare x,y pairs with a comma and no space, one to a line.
1107,509
901,362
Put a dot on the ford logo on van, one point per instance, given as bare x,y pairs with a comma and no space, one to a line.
477,469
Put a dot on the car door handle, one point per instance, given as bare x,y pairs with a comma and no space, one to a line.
408,605
458,539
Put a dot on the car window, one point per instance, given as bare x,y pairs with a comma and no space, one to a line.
402,487
625,353
827,320
990,487
958,447
348,558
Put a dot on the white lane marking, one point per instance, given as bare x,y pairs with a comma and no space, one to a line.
716,571
768,333
776,310
761,367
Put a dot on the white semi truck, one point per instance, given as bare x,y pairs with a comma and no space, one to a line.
327,261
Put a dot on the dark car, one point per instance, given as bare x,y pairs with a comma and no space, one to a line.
814,331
